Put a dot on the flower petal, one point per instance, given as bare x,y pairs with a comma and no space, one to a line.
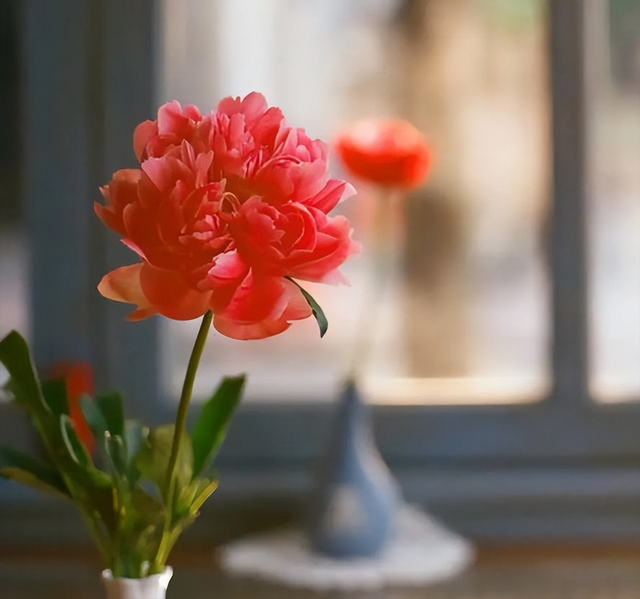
224,278
258,298
141,136
334,192
171,295
123,285
244,332
120,192
297,306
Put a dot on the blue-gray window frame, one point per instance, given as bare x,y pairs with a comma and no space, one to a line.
566,467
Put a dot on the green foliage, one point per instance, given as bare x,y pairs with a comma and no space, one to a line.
74,446
210,428
123,491
152,460
110,405
316,310
55,396
32,472
14,354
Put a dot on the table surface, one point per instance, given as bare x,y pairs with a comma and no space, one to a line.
505,572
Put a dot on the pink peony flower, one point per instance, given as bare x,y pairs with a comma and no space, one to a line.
224,211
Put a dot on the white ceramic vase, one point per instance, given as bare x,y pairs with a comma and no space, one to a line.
151,587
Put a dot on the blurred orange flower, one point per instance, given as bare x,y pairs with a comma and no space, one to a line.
388,152
78,379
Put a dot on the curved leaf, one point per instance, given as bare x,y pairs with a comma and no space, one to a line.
31,471
55,394
134,435
110,405
14,354
76,449
153,458
210,428
93,415
117,456
316,310
202,489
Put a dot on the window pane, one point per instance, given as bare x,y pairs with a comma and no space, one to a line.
13,242
465,317
614,208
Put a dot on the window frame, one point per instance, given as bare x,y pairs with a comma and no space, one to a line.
563,450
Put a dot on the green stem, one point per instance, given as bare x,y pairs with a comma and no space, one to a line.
385,242
185,396
181,417
101,542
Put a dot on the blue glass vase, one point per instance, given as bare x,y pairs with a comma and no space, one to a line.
355,498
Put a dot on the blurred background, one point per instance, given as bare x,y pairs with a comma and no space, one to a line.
506,369
471,304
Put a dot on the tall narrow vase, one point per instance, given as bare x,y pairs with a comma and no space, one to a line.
150,587
355,500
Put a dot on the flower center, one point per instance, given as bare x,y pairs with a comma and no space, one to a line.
229,203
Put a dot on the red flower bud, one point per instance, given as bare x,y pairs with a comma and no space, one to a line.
392,153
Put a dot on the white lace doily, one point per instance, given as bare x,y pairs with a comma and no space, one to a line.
422,552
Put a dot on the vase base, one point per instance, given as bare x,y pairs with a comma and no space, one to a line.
150,587
422,552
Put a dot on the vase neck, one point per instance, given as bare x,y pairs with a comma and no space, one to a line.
354,417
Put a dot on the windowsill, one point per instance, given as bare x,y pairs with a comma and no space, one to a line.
497,505
514,571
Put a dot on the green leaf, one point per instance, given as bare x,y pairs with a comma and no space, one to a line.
117,454
115,460
91,489
31,471
94,491
27,391
11,390
134,435
153,458
202,488
110,405
55,394
74,446
146,508
113,448
93,415
14,354
211,425
316,310
192,497
104,413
